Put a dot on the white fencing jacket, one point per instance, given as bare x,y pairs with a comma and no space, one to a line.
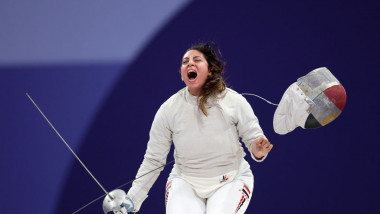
204,146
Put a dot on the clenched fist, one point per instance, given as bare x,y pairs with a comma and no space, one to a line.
261,147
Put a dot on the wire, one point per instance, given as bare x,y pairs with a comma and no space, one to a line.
260,98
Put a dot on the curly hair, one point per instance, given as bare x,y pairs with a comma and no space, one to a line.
215,83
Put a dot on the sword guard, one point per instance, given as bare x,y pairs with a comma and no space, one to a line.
115,203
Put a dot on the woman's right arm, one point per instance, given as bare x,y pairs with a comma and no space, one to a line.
160,140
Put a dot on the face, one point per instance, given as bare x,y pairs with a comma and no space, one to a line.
194,71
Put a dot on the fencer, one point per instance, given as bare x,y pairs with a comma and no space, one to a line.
203,181
205,121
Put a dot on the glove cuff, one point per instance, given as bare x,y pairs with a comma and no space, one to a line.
128,204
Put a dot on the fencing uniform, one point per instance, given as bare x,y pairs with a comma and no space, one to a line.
209,159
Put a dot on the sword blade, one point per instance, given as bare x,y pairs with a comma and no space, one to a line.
51,125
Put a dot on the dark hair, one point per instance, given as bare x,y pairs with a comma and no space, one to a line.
215,83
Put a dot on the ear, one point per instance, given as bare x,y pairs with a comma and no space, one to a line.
210,71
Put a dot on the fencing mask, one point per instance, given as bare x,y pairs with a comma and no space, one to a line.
315,100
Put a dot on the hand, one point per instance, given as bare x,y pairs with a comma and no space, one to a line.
127,206
121,211
261,147
118,202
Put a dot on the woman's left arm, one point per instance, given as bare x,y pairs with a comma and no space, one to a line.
250,132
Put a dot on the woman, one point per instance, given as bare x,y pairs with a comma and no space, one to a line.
205,121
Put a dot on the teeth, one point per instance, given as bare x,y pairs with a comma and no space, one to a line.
191,71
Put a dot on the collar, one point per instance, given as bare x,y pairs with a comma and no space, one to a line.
190,98
194,99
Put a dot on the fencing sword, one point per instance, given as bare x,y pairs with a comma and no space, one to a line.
109,194
30,98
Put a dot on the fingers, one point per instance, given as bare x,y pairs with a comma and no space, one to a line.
266,145
261,147
122,210
262,142
259,141
269,147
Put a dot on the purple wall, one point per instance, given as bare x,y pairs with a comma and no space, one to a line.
267,46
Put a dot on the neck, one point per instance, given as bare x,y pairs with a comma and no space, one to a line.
196,93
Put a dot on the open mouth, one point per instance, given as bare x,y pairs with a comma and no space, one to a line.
192,74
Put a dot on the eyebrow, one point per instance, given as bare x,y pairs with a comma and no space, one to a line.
193,57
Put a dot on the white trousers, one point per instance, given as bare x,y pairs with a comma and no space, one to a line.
231,198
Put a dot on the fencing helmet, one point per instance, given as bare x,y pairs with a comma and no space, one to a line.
315,100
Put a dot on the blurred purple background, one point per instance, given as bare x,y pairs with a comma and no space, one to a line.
100,70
